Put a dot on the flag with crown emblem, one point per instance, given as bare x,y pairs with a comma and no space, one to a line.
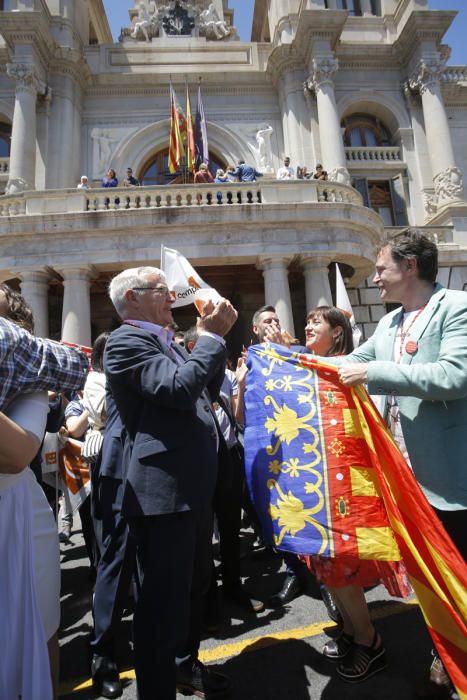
327,478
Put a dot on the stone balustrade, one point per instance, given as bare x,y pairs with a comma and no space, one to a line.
454,74
155,197
378,154
4,168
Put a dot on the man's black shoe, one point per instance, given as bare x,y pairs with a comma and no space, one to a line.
331,607
105,678
238,594
197,679
291,589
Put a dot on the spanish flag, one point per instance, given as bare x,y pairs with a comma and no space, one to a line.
190,135
327,478
177,130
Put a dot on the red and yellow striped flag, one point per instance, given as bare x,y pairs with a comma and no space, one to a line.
177,128
436,570
190,135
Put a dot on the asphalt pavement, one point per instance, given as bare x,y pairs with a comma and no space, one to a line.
274,655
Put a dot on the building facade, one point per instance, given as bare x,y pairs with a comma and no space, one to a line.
361,86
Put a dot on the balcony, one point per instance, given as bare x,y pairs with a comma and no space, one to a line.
177,197
374,157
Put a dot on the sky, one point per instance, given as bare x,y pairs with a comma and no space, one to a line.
117,12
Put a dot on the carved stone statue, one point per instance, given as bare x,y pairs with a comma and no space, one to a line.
448,185
210,24
156,18
263,139
145,23
341,176
259,142
104,142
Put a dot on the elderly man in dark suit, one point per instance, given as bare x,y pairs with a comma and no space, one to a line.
170,463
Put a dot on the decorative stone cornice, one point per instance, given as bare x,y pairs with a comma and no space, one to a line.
323,71
26,78
29,29
427,75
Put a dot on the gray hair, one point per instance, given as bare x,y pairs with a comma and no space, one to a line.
129,279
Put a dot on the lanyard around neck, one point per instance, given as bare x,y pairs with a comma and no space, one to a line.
411,346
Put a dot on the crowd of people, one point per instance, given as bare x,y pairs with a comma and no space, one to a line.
160,418
240,173
111,180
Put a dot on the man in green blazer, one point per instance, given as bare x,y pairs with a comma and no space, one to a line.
416,364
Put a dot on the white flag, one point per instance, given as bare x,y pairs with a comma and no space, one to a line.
344,305
184,282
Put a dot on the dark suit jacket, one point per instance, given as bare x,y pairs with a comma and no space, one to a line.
112,449
169,459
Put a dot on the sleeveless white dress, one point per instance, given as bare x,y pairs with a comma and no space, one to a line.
29,571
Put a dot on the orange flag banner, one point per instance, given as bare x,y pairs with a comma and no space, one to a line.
74,472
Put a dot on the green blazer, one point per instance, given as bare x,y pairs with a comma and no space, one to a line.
431,390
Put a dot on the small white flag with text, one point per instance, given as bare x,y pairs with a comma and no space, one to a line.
344,305
183,281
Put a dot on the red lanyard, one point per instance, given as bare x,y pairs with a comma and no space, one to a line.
411,347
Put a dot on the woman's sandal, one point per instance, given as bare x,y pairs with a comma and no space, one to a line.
363,661
339,647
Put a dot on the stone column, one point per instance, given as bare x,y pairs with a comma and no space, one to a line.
447,177
321,83
317,289
76,314
276,289
23,133
35,290
293,108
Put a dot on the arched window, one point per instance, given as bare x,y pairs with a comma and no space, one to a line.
156,170
5,139
364,130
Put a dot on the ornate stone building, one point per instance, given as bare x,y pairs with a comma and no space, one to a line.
361,86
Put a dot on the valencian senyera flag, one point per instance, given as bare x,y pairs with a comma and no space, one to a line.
177,133
327,478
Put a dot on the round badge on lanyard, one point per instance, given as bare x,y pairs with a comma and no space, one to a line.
411,347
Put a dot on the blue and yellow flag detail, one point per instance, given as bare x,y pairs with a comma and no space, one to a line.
326,478
309,470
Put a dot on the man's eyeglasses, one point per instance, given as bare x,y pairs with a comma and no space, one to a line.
159,290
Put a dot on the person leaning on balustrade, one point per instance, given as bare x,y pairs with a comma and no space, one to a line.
203,176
